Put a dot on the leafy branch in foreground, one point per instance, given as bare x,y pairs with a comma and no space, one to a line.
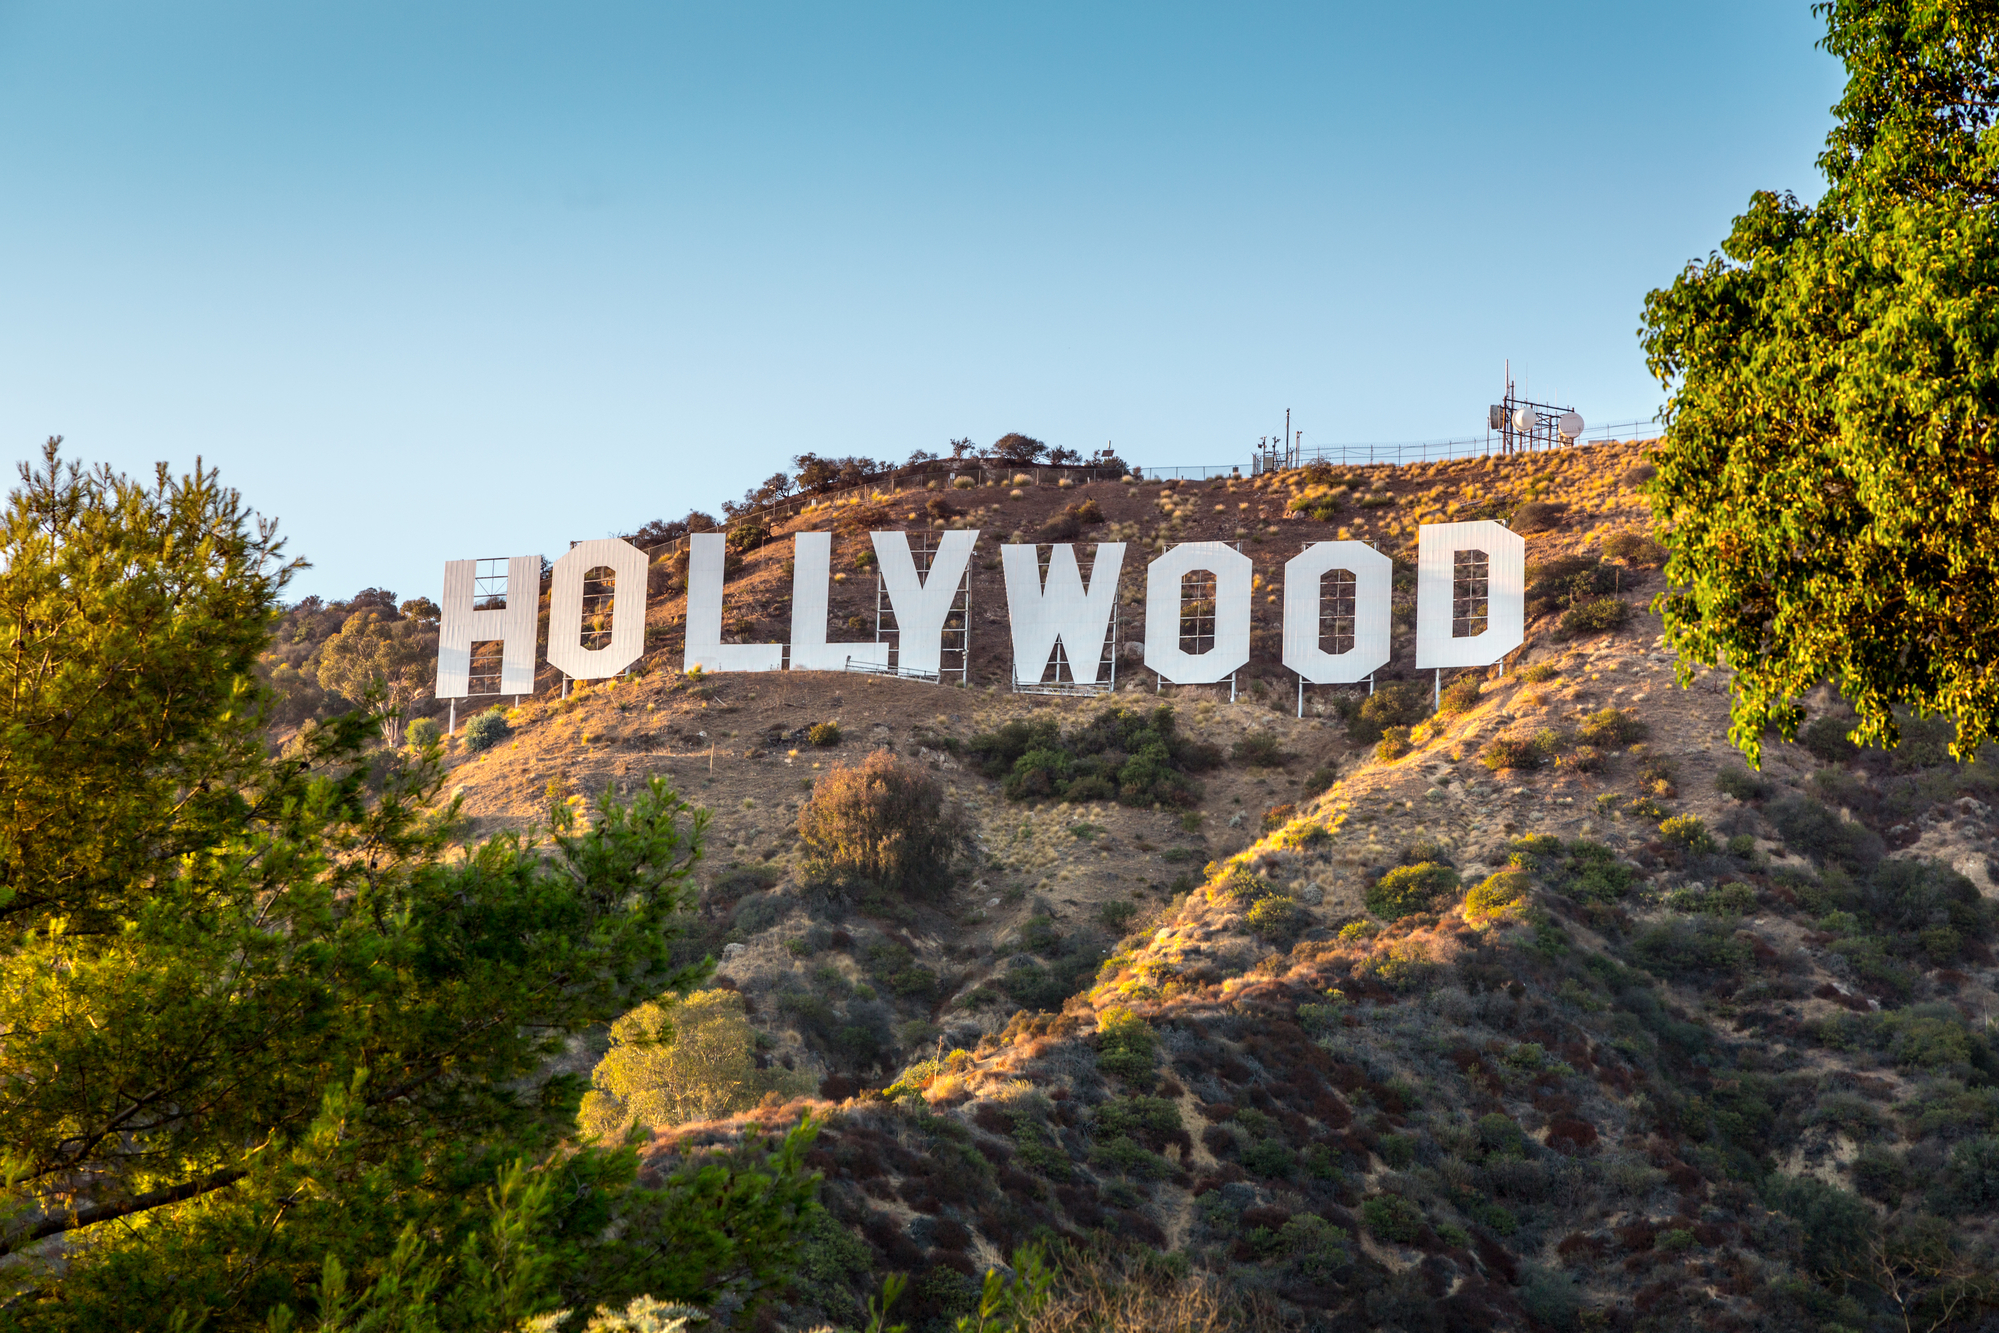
1829,477
262,1015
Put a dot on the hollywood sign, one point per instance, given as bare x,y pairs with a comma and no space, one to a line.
1452,560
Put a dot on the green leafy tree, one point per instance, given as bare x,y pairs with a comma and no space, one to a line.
262,1015
674,1062
395,658
1829,475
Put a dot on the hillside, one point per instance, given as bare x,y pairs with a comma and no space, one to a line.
1696,1035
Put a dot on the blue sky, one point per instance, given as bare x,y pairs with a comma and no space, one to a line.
452,280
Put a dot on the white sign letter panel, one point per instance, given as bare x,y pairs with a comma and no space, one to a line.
921,602
1304,574
1163,653
705,649
812,559
566,652
1437,547
513,626
1063,610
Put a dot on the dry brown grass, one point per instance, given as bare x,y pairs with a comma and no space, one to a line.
1102,1294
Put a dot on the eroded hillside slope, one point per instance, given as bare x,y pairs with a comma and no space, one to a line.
1538,1012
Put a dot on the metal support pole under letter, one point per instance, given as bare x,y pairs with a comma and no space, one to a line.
1437,691
451,728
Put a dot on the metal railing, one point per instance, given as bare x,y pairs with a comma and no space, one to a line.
1475,446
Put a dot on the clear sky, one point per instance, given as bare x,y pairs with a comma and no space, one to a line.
435,281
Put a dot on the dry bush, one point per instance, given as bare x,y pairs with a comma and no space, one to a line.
1635,548
1537,516
881,823
1098,1294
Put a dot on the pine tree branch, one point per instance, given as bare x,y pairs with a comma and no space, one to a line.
139,1203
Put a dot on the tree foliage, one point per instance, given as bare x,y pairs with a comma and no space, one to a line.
1829,477
676,1061
395,657
262,1015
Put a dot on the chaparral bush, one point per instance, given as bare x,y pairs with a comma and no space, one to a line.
487,730
1407,890
881,822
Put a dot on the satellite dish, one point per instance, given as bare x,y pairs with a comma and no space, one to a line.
1571,425
1523,418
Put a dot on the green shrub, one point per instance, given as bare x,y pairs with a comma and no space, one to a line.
684,1060
1970,1179
1635,548
1519,752
1909,896
421,733
1117,914
1244,885
1742,845
1819,833
1397,1150
1612,729
1460,696
1733,899
1605,613
1500,1135
1551,1299
755,915
1136,757
1847,1113
1270,1159
1825,738
1943,1108
1126,1047
824,734
880,823
1686,832
1930,1036
1833,1225
1391,1217
1259,749
1880,1173
487,730
1743,785
1690,946
1126,1116
1496,896
1318,780
1396,704
1582,869
1926,743
1566,581
1275,917
1407,890
1393,745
